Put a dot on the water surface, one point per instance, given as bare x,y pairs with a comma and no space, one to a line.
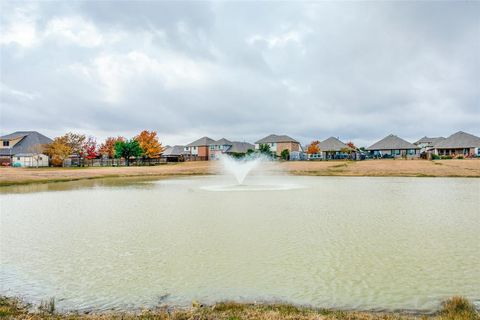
364,243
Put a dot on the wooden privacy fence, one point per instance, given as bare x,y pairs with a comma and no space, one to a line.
79,162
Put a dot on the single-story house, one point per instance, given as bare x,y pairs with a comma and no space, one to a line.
394,147
278,143
199,149
24,148
174,154
460,143
333,148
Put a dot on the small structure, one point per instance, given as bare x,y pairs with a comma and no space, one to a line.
24,149
174,154
333,148
278,143
394,147
199,149
460,143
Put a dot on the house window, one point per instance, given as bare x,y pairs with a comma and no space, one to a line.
194,148
6,143
18,158
40,159
212,147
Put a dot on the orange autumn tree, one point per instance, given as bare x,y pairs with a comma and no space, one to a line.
148,140
58,150
313,147
108,147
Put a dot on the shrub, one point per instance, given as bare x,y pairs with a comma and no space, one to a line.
460,157
445,157
458,308
435,157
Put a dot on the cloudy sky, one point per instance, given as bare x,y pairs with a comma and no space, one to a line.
358,71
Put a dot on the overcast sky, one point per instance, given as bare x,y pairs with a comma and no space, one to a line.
358,71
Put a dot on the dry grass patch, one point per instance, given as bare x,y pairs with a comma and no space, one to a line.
456,308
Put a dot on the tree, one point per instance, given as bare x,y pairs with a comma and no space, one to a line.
58,150
265,149
107,148
351,145
75,141
89,149
128,149
313,147
285,154
149,143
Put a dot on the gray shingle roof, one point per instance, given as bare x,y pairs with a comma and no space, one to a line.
276,138
459,140
392,142
240,147
204,141
174,151
332,144
30,139
222,142
429,141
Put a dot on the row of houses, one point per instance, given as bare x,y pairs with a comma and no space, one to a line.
392,146
207,148
23,148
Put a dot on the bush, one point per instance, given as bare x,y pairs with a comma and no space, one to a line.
458,308
460,157
445,157
285,154
435,157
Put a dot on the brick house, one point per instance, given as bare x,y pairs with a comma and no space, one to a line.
278,143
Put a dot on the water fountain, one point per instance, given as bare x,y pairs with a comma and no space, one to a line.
241,168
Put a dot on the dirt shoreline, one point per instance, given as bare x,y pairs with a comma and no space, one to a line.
455,308
369,168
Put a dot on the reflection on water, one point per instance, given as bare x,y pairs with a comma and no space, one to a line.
80,184
335,242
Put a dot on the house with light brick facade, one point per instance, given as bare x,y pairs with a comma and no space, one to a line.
278,143
458,144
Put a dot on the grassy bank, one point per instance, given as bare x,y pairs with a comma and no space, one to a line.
456,308
371,168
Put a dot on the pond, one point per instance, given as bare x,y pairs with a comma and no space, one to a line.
343,242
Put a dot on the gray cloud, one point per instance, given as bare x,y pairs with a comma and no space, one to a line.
241,70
